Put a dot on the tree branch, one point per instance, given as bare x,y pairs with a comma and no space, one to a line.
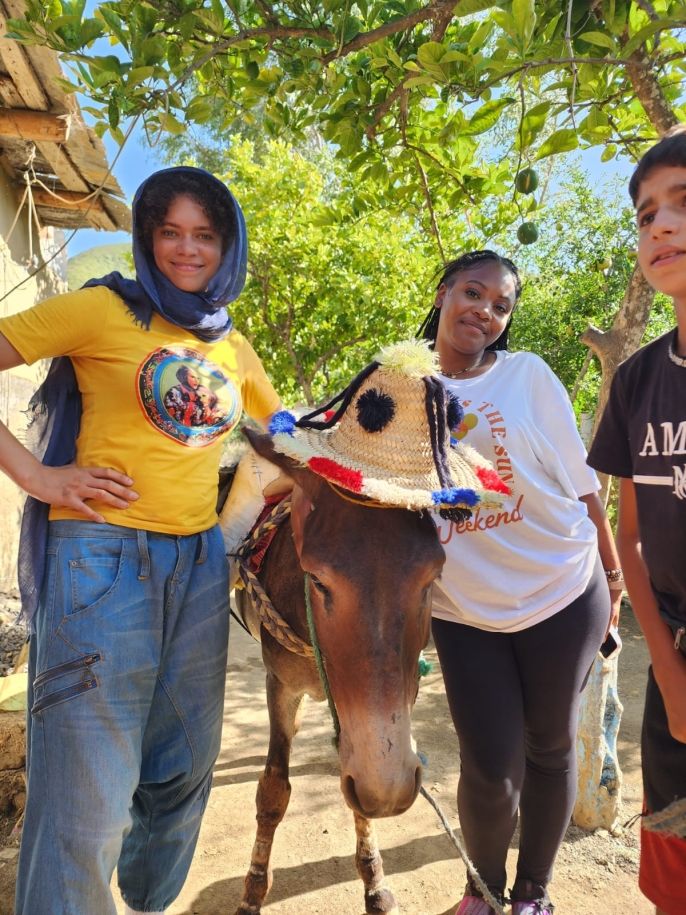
267,11
272,33
582,374
440,28
559,61
649,92
444,168
430,207
648,8
384,107
334,350
434,10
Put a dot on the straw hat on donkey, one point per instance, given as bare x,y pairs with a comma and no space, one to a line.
387,438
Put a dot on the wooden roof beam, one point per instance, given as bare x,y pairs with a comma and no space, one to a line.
67,200
23,124
17,65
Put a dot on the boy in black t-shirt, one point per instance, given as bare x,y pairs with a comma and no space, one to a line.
642,440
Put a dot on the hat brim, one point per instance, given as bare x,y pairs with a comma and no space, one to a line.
476,481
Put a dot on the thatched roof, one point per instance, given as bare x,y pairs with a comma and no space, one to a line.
43,135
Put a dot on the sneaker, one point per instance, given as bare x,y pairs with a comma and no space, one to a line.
472,904
540,905
532,907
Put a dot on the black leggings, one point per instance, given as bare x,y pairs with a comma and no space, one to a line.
514,699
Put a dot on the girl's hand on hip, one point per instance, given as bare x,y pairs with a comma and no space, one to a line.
71,486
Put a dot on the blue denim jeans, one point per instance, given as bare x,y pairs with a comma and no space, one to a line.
127,667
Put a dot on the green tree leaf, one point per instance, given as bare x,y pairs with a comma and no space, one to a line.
524,16
561,141
487,116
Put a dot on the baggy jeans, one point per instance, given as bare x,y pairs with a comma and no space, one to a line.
127,671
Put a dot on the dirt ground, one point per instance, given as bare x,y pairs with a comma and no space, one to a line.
313,862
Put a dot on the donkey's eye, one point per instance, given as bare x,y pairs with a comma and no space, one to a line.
320,586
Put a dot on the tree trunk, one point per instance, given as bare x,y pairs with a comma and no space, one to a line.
649,92
619,342
624,337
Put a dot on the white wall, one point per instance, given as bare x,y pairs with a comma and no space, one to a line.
17,385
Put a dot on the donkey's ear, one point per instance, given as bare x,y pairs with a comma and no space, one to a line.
264,446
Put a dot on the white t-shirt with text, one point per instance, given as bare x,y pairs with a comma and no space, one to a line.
509,568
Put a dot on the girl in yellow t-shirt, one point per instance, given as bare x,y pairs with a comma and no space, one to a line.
122,565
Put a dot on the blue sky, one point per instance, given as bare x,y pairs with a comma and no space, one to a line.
136,162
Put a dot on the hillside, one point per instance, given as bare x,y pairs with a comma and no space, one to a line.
97,262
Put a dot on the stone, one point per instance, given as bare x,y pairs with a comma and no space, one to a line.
12,740
12,791
600,778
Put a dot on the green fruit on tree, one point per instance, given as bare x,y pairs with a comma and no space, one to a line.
252,68
526,181
527,233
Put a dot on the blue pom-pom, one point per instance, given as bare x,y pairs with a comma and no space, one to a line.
281,422
454,496
423,758
466,497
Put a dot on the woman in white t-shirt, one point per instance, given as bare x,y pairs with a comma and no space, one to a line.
523,604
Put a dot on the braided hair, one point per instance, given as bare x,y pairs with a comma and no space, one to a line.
429,326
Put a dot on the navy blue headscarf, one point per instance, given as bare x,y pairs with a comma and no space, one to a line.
55,408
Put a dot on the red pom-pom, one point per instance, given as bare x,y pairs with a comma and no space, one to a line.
349,479
491,481
328,415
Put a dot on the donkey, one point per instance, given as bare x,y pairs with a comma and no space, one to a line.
349,576
370,575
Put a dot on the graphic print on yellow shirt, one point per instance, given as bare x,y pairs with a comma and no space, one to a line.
187,397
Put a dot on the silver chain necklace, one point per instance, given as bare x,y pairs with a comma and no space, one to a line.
677,360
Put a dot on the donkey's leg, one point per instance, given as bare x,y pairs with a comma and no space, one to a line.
273,791
377,897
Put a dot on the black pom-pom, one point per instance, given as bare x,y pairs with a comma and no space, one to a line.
375,410
458,515
455,411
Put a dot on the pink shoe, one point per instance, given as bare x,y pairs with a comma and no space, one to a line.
541,905
532,907
473,905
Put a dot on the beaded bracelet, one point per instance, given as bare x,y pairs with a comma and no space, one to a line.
615,579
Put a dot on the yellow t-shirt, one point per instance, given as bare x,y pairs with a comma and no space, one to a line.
156,403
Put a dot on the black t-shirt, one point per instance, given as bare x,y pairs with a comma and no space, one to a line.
642,436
